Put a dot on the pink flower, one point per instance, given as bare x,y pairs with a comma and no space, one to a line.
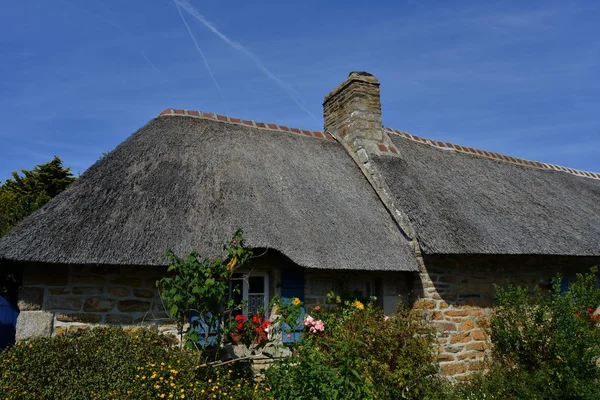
312,329
317,308
308,321
289,335
319,326
386,318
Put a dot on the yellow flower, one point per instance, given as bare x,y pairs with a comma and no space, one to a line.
359,305
232,263
296,301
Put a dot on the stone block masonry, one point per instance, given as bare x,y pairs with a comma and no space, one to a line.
55,300
457,293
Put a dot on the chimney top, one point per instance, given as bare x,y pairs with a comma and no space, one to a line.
353,109
360,73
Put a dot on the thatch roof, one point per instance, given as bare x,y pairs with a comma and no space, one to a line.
461,203
186,183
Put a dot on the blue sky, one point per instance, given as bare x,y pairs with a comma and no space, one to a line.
520,78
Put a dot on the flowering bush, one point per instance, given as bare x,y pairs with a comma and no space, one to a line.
593,317
251,331
109,363
313,325
353,353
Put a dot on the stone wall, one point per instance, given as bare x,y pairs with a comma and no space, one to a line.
57,299
456,295
454,292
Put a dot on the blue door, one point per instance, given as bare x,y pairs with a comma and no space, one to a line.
8,321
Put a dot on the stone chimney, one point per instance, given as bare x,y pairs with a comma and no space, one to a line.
352,110
352,114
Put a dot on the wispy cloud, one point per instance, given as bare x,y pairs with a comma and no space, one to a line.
150,63
212,76
291,92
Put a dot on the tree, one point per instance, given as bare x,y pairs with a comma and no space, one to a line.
22,195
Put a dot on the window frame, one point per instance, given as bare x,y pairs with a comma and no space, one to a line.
246,289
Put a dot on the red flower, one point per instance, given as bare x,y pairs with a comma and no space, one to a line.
240,318
590,310
256,319
240,325
259,330
265,324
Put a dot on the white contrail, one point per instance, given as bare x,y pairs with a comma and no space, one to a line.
177,5
294,95
150,63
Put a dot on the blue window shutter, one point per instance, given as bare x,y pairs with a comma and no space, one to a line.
292,285
8,322
201,329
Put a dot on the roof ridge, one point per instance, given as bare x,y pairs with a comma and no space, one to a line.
493,155
238,121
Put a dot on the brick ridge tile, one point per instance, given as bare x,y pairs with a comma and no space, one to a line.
238,121
492,155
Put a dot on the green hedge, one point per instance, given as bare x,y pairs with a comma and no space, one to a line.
109,363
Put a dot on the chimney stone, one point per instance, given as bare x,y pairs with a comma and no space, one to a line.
352,111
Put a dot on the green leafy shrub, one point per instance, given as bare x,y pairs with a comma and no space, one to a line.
201,286
545,345
359,354
108,363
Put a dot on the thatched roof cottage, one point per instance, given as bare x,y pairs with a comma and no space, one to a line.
356,207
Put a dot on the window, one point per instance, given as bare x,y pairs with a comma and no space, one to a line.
253,289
